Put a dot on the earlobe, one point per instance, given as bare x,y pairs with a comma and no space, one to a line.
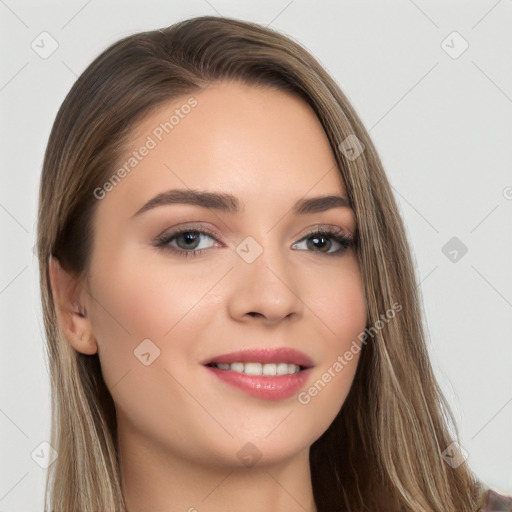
69,300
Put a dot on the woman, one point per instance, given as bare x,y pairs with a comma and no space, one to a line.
281,366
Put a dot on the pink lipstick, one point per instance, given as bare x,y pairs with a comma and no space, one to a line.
266,373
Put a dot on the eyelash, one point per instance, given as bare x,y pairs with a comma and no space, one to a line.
333,233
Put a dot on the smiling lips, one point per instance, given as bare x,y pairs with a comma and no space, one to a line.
271,374
264,355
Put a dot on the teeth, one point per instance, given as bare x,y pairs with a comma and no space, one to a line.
269,369
282,369
253,369
237,367
259,368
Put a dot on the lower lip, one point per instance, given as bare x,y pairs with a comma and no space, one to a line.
275,387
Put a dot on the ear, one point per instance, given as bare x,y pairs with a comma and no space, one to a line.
70,306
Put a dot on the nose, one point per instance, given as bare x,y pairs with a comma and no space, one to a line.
265,290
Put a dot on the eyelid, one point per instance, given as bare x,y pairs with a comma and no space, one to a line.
332,228
189,226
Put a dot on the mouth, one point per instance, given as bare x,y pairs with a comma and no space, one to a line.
270,374
262,361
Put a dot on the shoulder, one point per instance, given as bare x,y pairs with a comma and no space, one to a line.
494,501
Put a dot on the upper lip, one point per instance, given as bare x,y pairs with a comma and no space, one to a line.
264,355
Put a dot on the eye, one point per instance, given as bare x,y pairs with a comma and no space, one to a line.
323,239
187,241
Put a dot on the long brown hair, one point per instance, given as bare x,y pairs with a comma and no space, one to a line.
384,450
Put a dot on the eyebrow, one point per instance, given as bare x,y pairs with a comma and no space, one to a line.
230,204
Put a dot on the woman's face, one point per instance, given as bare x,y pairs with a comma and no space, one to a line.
162,306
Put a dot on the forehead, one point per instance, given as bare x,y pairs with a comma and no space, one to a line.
253,142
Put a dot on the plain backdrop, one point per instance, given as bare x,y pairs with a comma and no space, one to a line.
431,81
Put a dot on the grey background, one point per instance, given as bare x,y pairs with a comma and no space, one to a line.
442,125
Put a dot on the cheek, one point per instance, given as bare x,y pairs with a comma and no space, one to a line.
341,309
338,300
137,300
145,298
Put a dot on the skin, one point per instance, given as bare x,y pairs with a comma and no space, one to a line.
180,428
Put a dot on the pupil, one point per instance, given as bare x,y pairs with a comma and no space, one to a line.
189,237
317,238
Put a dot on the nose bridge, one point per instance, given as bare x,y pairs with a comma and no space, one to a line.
264,279
264,256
